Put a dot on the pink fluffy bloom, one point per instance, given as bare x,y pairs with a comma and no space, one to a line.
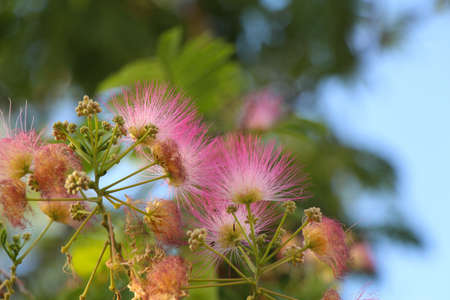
224,233
170,112
327,241
262,109
53,163
17,146
164,281
164,220
361,257
332,294
12,198
187,162
250,171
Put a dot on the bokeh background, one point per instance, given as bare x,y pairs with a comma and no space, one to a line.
366,89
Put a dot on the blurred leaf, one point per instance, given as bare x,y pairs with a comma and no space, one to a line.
201,68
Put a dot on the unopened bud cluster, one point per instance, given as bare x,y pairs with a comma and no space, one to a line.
61,128
76,182
87,107
313,214
231,209
289,206
78,211
33,183
297,254
196,238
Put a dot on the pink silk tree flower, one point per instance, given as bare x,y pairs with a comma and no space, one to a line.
361,257
262,109
250,171
155,105
223,232
13,200
186,161
52,164
326,239
331,294
164,280
17,146
164,219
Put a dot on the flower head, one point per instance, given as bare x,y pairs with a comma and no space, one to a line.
164,220
158,106
224,234
17,146
53,162
164,281
12,198
331,294
262,109
361,257
250,171
186,161
327,241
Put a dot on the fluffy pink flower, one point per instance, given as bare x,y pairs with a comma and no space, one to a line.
262,109
250,171
327,241
53,162
170,112
164,281
12,198
17,146
187,162
361,257
164,220
331,294
223,232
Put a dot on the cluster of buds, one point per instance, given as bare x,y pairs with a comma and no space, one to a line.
78,211
121,130
33,183
106,125
87,107
231,209
313,214
61,128
196,238
290,207
297,254
76,182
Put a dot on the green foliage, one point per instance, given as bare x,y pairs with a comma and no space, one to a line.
201,68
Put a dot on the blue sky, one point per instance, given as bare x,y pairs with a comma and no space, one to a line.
399,106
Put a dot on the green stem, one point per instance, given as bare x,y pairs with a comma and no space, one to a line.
111,197
275,236
215,280
138,184
65,248
287,241
247,260
252,231
128,176
268,296
41,235
111,139
242,229
277,294
92,199
227,261
277,264
75,143
200,286
127,151
83,295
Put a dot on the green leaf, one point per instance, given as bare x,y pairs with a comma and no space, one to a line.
202,68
